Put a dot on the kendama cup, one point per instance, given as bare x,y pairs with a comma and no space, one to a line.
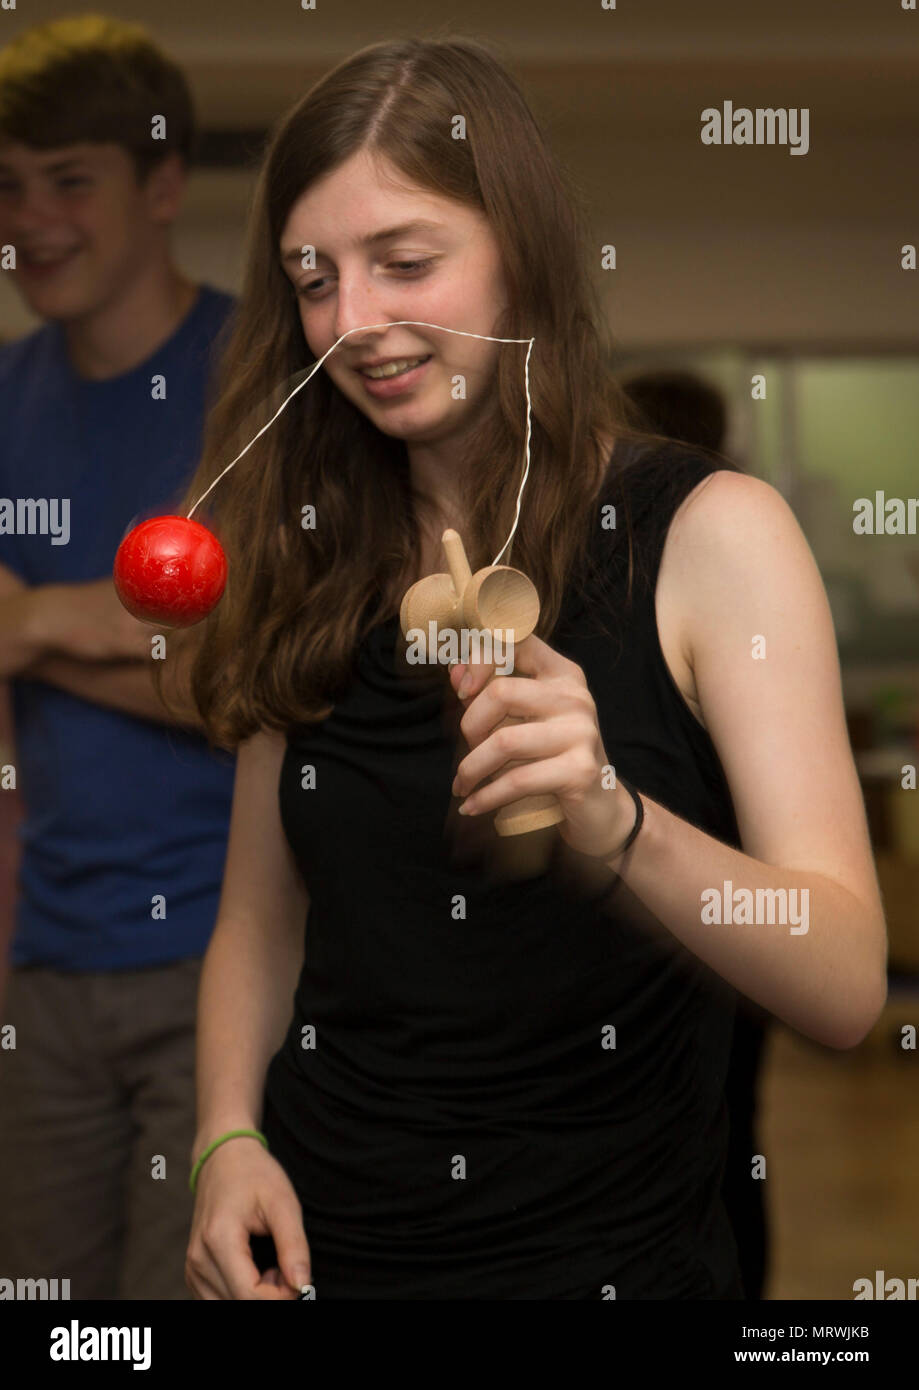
494,597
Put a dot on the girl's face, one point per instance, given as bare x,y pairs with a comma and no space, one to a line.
384,253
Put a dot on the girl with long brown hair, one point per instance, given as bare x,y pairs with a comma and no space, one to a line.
494,1083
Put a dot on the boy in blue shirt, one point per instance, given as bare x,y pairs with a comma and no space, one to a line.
126,809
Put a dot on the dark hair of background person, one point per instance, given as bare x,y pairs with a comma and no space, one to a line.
681,405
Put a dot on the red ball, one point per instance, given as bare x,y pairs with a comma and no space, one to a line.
170,570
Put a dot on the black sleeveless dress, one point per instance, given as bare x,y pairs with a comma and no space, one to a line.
491,1086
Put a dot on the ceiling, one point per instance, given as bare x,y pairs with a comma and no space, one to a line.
644,61
715,242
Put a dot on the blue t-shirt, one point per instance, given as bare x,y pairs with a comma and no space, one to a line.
126,820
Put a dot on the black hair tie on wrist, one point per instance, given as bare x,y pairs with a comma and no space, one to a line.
639,818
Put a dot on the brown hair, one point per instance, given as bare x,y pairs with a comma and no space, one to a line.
98,80
278,648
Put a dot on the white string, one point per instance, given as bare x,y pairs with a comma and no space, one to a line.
398,322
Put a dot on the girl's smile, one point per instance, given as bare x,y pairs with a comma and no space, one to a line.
396,385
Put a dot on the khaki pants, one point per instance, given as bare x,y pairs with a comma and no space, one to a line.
96,1126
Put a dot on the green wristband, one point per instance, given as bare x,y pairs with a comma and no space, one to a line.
231,1134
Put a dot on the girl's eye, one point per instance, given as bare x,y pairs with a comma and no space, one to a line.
410,266
414,265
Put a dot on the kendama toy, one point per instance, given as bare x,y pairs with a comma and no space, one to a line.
496,597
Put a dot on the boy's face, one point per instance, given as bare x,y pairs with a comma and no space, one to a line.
82,227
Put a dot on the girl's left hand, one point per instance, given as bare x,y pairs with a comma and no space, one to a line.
562,738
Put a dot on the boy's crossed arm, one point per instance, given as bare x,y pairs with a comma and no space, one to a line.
81,639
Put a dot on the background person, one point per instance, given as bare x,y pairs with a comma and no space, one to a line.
124,803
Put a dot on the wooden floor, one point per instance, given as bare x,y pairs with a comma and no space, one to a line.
840,1134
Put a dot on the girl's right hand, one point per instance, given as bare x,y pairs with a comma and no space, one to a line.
243,1191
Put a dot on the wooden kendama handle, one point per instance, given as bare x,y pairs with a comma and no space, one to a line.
534,812
494,597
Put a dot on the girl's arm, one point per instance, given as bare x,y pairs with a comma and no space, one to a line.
756,629
758,634
255,954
